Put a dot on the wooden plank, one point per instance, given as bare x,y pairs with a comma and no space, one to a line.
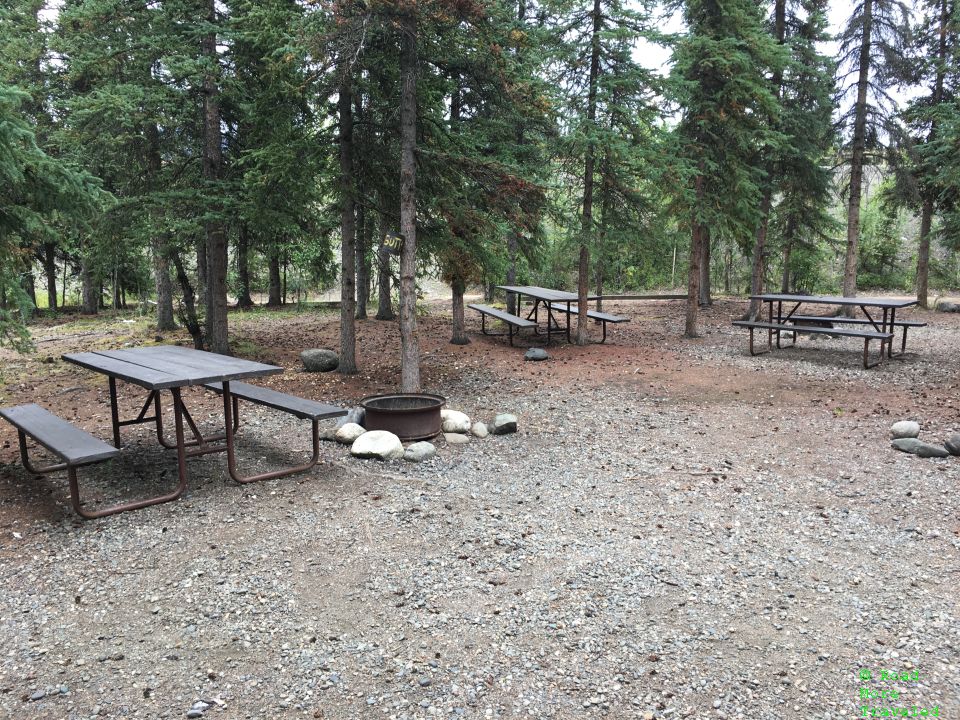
149,378
851,321
75,446
501,315
154,361
206,361
813,329
298,406
643,297
835,300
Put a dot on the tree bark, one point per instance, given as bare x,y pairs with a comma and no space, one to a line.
348,333
758,268
161,274
928,207
50,270
384,300
459,287
216,236
244,301
586,230
90,298
512,243
858,149
705,300
697,236
409,344
275,289
189,316
364,236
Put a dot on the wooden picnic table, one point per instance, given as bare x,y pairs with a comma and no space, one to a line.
172,368
875,328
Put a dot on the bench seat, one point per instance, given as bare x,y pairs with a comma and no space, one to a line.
74,446
794,330
592,314
299,407
850,321
512,321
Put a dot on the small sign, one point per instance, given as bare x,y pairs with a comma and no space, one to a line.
393,242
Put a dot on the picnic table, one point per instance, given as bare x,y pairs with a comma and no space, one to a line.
880,328
556,302
157,369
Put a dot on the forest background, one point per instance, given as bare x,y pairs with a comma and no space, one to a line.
188,155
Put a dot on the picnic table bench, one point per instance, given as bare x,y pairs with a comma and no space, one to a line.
75,447
512,321
777,328
599,316
828,320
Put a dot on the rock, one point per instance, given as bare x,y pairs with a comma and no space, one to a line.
479,430
379,444
454,421
348,432
928,450
419,451
536,354
920,448
905,429
38,695
953,444
456,438
319,360
948,307
328,433
504,423
906,444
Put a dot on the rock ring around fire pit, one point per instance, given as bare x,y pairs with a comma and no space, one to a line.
409,416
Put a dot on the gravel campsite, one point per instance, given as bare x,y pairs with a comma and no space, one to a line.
676,529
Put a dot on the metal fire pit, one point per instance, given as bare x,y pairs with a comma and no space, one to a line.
409,416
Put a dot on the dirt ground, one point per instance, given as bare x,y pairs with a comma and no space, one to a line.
777,547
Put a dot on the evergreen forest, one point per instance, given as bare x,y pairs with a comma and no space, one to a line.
193,156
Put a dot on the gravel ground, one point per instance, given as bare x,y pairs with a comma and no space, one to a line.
679,531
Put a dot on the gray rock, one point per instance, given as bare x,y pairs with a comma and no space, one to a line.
919,448
908,445
349,432
378,444
328,433
454,421
927,450
905,429
319,360
536,354
479,430
455,438
948,307
504,423
419,451
193,713
38,695
953,444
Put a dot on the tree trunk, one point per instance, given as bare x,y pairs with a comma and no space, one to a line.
697,237
923,252
274,292
384,300
858,148
512,243
409,344
50,270
705,300
459,327
244,301
90,301
189,315
161,275
364,236
758,268
216,236
586,229
348,331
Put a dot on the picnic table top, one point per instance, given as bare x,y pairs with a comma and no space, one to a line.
835,300
168,366
542,293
